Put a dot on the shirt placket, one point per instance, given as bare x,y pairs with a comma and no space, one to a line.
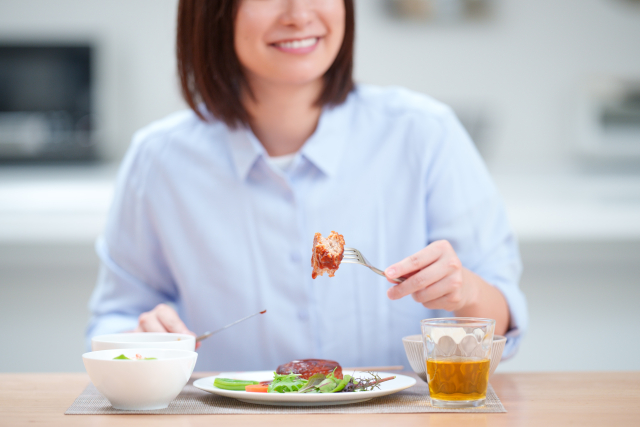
307,313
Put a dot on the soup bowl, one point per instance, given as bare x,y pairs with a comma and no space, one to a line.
144,340
415,353
140,384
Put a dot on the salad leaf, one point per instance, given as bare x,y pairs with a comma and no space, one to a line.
123,357
328,385
312,383
342,384
320,383
286,383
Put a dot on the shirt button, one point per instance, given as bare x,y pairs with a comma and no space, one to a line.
295,256
303,315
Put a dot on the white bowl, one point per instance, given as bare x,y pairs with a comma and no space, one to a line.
140,384
144,340
415,353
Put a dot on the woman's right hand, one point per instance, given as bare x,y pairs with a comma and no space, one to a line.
162,319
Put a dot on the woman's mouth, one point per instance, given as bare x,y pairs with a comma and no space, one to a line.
297,46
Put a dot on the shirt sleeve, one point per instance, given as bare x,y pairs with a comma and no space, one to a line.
464,207
133,276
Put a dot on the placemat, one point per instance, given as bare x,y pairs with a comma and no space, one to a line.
193,401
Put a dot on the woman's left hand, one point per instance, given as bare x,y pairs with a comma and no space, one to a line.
434,277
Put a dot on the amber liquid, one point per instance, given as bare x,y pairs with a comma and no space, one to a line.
457,379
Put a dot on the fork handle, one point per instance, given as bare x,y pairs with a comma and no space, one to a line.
380,272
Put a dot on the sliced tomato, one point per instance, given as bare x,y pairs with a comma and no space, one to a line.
257,388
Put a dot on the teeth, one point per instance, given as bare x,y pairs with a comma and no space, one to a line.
298,44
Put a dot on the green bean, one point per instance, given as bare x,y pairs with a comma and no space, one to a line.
231,384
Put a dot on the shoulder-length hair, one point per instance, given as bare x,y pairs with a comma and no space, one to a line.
210,71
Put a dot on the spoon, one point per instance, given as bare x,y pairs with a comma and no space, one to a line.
208,334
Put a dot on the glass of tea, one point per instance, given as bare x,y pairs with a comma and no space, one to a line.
458,355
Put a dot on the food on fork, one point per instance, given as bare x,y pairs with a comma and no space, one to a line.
308,367
326,254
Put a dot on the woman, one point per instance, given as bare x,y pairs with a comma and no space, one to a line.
216,208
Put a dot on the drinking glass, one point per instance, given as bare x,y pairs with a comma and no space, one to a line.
458,356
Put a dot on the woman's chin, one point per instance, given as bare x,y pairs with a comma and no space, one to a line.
289,78
288,72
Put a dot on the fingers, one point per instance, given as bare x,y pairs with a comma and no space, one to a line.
162,319
446,294
433,292
448,302
148,322
170,319
419,281
419,260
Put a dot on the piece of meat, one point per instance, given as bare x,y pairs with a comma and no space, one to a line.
326,254
308,367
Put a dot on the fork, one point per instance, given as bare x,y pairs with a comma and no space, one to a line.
353,256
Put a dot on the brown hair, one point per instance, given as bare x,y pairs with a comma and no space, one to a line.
211,73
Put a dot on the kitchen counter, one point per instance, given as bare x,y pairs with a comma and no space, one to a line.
571,207
69,205
531,399
54,204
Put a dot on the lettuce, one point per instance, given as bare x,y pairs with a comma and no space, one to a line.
286,383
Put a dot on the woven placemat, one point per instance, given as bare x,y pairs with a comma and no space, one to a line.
193,401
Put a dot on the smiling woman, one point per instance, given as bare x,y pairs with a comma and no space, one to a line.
215,207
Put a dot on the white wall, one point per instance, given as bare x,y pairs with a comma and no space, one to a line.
523,68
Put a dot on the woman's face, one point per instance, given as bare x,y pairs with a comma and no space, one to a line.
288,41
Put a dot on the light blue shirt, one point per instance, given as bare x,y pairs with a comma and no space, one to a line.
200,218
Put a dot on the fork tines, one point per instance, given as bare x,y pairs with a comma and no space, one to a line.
352,256
350,253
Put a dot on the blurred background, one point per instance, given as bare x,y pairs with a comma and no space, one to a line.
549,90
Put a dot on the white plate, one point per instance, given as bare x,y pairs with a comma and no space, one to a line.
401,382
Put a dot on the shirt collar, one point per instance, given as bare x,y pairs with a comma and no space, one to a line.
323,149
245,150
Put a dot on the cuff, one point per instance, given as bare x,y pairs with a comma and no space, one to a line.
518,315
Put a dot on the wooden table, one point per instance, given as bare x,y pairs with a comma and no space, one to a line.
535,399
